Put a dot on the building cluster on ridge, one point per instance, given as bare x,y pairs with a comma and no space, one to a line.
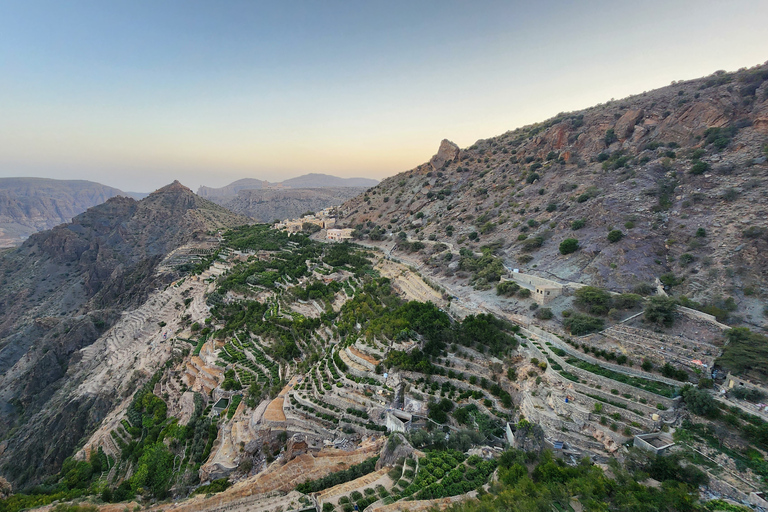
324,219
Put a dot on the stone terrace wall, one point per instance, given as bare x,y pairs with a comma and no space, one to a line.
554,340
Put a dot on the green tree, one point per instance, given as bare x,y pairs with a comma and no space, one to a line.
615,235
568,246
700,402
593,300
580,324
661,311
626,301
154,471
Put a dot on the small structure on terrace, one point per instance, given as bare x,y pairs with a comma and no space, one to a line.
657,443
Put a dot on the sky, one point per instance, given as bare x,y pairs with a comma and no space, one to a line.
137,93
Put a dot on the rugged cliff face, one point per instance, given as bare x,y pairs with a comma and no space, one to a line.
679,172
29,205
60,290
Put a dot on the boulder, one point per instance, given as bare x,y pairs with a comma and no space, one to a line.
447,152
626,123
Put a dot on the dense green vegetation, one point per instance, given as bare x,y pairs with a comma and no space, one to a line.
580,324
638,382
486,269
568,246
746,353
661,311
551,484
144,451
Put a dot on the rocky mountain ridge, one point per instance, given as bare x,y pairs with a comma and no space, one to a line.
306,181
62,289
267,205
678,175
29,205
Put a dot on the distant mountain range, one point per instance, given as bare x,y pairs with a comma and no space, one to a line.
265,201
312,180
29,205
266,205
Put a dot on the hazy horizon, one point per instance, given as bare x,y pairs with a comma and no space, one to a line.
135,95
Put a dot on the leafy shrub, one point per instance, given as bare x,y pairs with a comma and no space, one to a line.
588,194
661,311
753,232
568,246
751,394
593,299
669,279
671,372
532,243
699,167
579,324
700,402
626,301
686,259
507,288
615,235
746,353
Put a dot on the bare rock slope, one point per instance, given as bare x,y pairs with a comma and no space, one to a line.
679,174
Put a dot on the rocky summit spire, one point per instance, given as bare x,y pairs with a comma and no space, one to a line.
447,152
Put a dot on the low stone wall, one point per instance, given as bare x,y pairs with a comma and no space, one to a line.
359,360
544,336
593,380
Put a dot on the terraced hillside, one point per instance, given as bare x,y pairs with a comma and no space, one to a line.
284,372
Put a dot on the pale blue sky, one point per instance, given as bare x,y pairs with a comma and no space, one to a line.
135,94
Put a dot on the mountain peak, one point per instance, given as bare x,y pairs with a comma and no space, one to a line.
176,186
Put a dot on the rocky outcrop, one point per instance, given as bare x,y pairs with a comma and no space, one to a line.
397,448
626,123
447,152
